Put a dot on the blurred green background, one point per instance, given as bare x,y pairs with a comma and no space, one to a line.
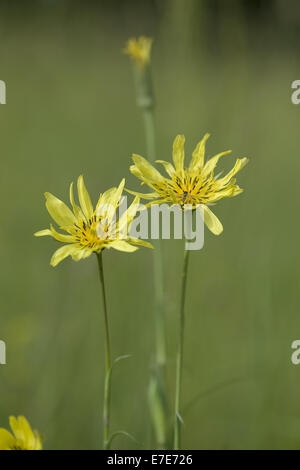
223,67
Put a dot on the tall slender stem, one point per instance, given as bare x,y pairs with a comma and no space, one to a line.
158,395
177,416
148,115
106,404
157,387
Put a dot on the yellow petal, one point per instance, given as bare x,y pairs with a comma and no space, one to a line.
127,217
114,200
43,233
157,201
58,210
62,253
212,221
149,173
14,424
84,198
76,209
178,152
7,441
122,245
109,201
53,233
212,163
81,253
168,167
28,437
198,154
60,236
143,195
138,241
229,192
105,197
239,164
38,441
136,172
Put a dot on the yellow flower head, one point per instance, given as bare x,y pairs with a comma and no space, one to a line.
139,50
90,230
23,438
193,185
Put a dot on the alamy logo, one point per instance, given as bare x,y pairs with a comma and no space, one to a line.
295,357
2,92
2,352
156,222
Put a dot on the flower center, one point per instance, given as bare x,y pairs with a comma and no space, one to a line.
17,446
92,233
186,189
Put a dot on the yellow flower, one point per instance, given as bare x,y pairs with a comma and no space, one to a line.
23,438
139,50
88,230
194,185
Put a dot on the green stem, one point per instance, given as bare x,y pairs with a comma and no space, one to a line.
148,115
177,416
106,404
157,387
158,402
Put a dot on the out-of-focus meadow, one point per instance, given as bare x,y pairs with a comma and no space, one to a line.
219,67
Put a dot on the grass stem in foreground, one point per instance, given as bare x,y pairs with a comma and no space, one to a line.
157,388
106,404
179,362
157,392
